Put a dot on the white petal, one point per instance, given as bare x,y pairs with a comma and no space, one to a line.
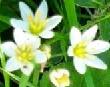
47,34
53,78
62,72
27,68
20,37
97,46
89,34
75,35
19,24
12,65
8,48
33,40
70,51
25,11
79,65
95,62
43,9
40,57
53,22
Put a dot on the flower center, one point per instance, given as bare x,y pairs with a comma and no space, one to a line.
64,79
36,25
24,53
80,50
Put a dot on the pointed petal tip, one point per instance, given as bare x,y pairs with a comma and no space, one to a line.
74,28
94,28
58,17
104,67
21,3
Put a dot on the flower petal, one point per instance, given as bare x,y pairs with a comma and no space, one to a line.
33,40
40,57
95,62
19,24
75,36
47,34
43,10
89,34
53,22
79,65
70,51
27,68
52,78
97,46
12,65
26,12
19,36
8,48
57,74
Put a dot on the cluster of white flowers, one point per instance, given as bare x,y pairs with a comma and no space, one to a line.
28,50
27,34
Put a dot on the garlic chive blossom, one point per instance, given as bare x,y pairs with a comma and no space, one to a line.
60,77
23,53
38,24
84,49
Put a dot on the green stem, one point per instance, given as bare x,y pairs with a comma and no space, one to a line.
95,22
88,79
36,75
6,76
23,81
63,48
57,55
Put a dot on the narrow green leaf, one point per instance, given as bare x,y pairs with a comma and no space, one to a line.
14,77
23,81
44,82
71,12
105,29
89,79
36,75
6,76
4,19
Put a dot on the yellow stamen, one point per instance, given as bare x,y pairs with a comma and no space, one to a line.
64,79
80,50
36,25
24,53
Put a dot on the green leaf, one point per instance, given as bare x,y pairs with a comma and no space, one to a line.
36,75
89,79
23,81
104,27
45,81
5,19
71,13
3,62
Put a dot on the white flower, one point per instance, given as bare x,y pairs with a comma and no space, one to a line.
38,24
23,52
84,48
60,77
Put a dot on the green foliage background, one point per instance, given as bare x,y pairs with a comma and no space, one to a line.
81,13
